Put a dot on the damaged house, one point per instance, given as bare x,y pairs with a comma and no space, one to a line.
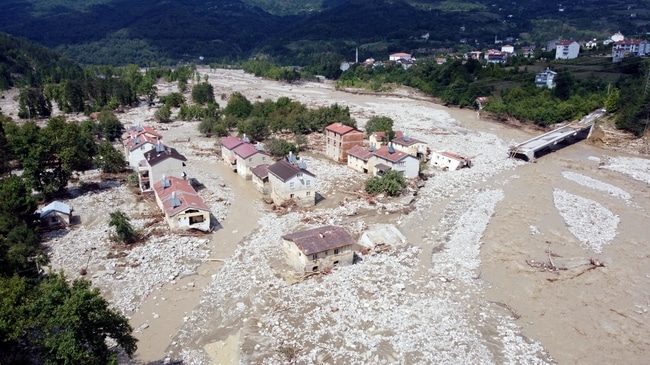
182,206
318,249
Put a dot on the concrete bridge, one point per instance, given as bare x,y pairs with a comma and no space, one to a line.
574,131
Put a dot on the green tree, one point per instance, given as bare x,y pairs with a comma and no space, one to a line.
164,115
203,93
278,147
5,149
109,159
380,124
173,100
212,126
110,127
255,128
123,228
32,103
391,183
238,106
611,103
563,84
53,322
301,141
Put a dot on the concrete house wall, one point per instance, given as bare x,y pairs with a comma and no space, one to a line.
244,165
566,50
54,219
303,191
445,161
409,166
190,218
324,260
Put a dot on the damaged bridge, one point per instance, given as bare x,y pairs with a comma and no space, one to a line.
548,141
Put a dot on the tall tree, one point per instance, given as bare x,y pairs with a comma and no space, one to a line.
54,322
110,127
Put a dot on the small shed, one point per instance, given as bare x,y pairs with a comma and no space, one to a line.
55,214
318,249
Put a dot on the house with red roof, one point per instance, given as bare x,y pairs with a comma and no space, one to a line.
449,161
290,181
388,158
228,144
630,48
566,50
248,156
182,206
318,249
339,139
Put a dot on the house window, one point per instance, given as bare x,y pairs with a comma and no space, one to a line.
308,183
336,263
250,159
308,193
291,196
142,147
54,219
315,268
314,257
263,158
292,184
336,251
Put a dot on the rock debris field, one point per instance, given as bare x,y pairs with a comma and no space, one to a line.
418,303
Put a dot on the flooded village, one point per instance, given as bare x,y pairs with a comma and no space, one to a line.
483,258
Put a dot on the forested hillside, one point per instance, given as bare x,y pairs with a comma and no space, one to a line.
119,32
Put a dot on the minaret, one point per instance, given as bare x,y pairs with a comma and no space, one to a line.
356,60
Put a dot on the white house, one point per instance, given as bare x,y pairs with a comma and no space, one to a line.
288,181
508,48
55,214
630,48
318,249
248,156
388,158
449,161
168,162
359,158
412,146
400,57
136,147
566,50
545,78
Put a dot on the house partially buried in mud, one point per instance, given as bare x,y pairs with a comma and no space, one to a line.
318,249
56,214
182,206
449,161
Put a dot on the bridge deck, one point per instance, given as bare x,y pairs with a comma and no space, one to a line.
529,147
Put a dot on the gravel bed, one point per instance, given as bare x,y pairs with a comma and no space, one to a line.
591,223
636,168
596,184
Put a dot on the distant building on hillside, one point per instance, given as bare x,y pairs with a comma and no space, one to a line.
567,50
630,48
545,78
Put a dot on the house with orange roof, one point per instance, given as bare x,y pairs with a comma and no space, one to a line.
388,158
339,139
248,156
182,206
139,130
449,161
